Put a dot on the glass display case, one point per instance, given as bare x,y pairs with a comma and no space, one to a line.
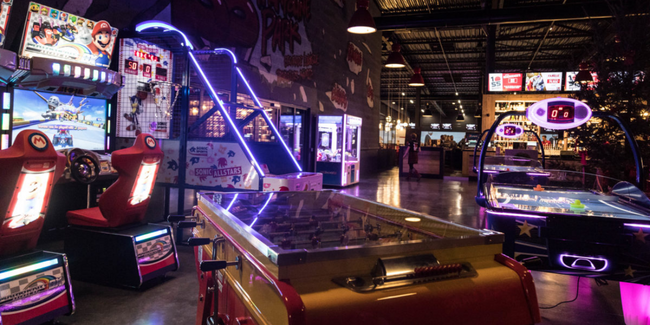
338,144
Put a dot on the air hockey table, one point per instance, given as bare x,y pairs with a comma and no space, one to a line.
324,257
574,231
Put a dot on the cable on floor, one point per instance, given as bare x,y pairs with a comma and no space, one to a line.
567,301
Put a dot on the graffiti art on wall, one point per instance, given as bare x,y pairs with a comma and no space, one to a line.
354,58
339,97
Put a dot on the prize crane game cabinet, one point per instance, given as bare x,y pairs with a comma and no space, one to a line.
34,285
109,244
329,258
339,144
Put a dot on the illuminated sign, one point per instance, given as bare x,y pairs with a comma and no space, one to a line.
544,81
505,82
446,126
143,183
131,67
55,34
510,130
28,201
147,56
435,126
559,113
470,127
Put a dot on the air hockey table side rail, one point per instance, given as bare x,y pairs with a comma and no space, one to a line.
306,286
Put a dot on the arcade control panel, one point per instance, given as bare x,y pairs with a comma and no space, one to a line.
102,160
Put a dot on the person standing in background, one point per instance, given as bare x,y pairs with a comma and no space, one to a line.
413,149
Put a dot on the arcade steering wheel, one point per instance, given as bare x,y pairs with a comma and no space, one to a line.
84,169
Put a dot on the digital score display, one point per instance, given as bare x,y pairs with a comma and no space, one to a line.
161,74
560,113
509,130
147,56
130,67
146,70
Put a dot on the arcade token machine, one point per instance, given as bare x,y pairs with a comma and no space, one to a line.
221,136
339,145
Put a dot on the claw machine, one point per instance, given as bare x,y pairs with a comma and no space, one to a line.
339,146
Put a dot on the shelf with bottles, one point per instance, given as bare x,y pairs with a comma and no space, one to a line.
502,106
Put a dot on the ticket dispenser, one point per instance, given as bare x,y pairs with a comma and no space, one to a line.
34,285
109,243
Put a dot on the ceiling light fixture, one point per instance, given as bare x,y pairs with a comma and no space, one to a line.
362,21
395,59
416,79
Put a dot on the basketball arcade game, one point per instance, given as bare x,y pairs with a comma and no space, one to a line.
222,136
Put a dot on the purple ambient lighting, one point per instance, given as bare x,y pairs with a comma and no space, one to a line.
518,215
537,113
161,24
344,179
635,299
32,299
232,202
510,131
224,113
588,259
232,55
487,171
636,225
267,118
262,209
539,174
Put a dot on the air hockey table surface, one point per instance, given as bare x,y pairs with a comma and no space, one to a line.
345,260
572,229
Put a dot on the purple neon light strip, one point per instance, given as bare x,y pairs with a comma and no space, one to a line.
262,209
538,174
268,119
223,112
343,178
232,55
636,225
516,215
588,258
160,24
487,171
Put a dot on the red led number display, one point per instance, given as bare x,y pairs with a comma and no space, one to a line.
146,70
131,67
560,114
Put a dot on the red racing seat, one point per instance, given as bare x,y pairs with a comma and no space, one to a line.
126,201
30,167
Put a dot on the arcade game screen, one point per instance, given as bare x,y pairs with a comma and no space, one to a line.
69,121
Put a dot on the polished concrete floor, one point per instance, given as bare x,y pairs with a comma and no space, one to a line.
173,300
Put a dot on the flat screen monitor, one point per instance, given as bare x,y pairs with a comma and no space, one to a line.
505,82
543,81
69,121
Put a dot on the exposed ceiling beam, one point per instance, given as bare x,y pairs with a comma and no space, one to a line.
516,15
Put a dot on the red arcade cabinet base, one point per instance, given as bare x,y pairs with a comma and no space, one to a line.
35,288
124,257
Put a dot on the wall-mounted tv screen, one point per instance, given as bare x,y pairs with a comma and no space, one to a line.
69,121
505,82
570,83
543,81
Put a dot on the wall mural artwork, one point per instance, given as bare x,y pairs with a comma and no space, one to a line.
354,58
339,97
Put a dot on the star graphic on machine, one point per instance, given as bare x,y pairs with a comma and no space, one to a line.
640,235
629,271
525,229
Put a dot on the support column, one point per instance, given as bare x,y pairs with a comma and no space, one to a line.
490,48
418,112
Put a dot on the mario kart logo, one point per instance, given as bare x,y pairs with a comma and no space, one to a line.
199,151
151,143
35,287
38,141
159,249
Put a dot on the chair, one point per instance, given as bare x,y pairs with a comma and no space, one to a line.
126,201
109,243
30,167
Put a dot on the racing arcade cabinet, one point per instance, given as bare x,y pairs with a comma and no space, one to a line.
109,243
34,286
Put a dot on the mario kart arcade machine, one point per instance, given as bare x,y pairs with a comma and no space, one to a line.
34,285
339,144
222,136
570,222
